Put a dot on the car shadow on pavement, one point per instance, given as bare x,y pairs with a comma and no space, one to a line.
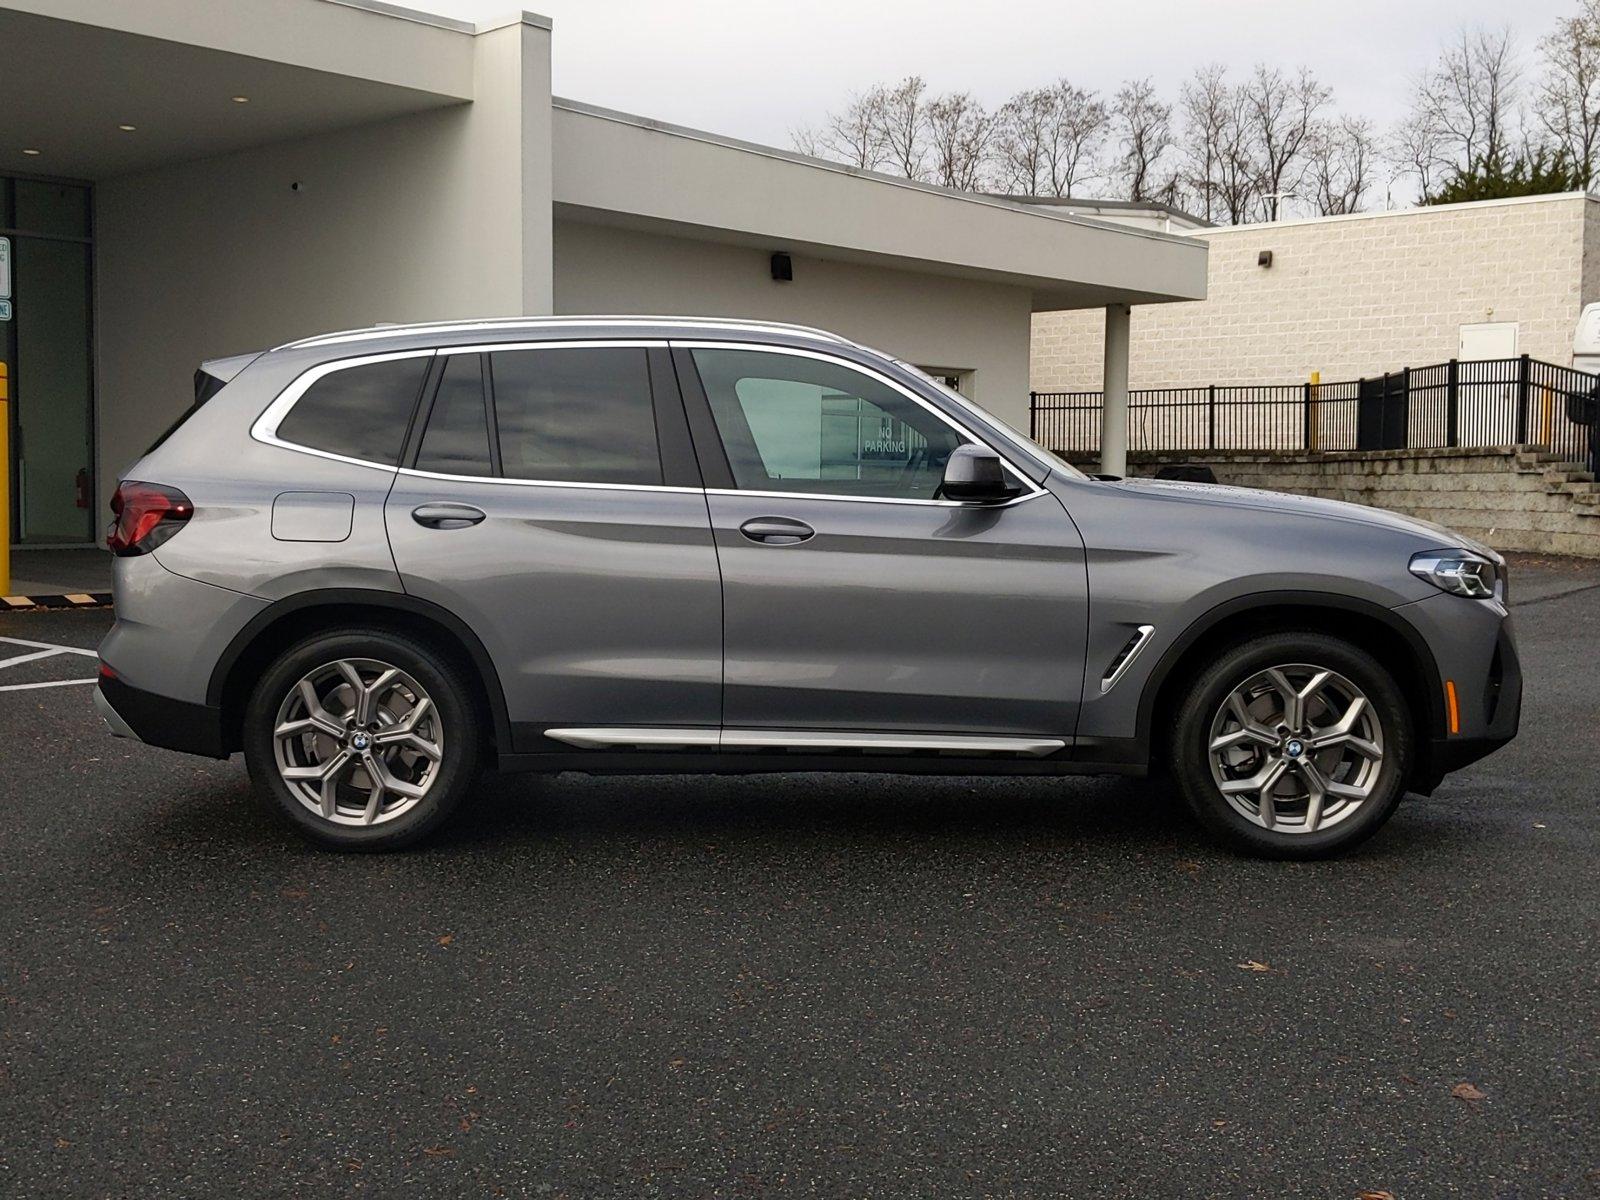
508,814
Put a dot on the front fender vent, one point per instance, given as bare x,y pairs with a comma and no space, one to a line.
1119,665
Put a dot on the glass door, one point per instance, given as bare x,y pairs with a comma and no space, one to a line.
46,345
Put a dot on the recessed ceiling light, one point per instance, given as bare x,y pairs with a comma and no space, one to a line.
127,128
241,99
32,152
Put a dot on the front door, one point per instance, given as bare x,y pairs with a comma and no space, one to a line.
856,600
548,508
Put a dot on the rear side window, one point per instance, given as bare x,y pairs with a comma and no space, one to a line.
576,414
359,412
456,441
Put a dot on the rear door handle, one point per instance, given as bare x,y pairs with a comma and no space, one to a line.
447,516
776,531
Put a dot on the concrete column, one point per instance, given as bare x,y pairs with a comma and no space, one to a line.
1114,414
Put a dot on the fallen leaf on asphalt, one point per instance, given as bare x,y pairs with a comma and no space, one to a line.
1253,965
294,893
447,939
1374,1196
439,1152
1465,1091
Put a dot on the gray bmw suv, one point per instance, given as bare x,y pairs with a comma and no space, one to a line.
378,561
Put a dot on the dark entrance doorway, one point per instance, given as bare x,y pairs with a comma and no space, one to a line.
46,345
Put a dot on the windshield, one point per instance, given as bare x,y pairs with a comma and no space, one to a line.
1054,459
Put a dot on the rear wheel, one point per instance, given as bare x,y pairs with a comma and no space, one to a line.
363,739
1293,745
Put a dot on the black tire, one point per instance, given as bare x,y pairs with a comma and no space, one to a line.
457,730
1189,755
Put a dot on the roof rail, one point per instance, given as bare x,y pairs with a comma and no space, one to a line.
384,330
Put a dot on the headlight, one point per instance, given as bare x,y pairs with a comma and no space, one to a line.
1460,572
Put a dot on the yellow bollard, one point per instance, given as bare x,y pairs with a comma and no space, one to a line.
5,479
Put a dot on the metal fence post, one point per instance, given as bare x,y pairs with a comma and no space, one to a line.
1305,415
1033,415
1211,417
1452,403
1522,400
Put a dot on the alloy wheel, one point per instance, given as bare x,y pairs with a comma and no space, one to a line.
358,742
1296,748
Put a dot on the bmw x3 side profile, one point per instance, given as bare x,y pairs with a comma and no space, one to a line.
378,561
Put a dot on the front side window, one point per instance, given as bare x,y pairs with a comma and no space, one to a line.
796,424
579,414
359,412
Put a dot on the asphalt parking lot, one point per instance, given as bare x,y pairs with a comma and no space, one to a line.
840,987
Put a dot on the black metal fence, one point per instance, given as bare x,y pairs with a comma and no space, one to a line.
1495,402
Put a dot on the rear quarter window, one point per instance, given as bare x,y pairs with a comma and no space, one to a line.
358,412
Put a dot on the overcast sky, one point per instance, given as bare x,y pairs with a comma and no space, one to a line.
756,69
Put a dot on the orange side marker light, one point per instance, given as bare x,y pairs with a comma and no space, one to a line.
1454,708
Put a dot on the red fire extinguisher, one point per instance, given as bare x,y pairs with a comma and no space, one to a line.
81,486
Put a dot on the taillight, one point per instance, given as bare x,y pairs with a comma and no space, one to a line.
147,515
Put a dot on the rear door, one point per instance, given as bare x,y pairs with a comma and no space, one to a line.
551,500
857,601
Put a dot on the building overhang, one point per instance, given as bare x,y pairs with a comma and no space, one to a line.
617,169
73,72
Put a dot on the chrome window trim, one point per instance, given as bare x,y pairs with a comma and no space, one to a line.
265,427
413,473
894,384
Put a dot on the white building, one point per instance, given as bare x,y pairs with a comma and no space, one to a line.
1356,296
185,179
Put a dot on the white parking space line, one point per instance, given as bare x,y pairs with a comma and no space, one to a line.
22,687
48,646
22,658
40,650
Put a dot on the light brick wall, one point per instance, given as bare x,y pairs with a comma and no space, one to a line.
1351,296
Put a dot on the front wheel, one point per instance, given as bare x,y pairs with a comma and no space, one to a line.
1293,745
363,739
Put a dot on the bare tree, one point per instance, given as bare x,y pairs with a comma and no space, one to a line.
1024,124
1080,122
1468,101
1568,101
1205,103
1416,149
1281,112
853,135
960,137
1340,158
1143,126
902,118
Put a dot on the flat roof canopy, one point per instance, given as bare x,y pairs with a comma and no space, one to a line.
614,168
73,71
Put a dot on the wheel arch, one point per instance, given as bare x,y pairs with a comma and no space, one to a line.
1376,629
293,618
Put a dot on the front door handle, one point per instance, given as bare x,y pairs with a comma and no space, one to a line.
447,516
776,531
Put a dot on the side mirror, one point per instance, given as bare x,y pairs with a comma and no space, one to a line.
974,473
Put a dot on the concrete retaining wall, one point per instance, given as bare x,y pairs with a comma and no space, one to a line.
1513,498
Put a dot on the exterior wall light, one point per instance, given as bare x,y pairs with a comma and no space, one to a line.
1264,258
